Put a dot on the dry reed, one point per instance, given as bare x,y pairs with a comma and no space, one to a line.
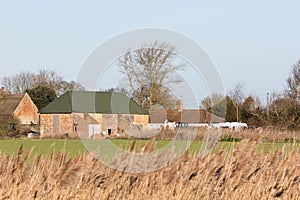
242,174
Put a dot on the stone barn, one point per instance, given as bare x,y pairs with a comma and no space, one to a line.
87,113
21,107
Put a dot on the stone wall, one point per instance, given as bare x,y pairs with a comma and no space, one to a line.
66,124
109,123
56,124
78,123
82,123
46,124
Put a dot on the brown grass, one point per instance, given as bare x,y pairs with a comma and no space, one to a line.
264,135
242,174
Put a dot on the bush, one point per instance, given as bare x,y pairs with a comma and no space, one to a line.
9,126
290,140
229,139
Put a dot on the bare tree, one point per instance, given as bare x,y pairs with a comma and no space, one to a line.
7,82
284,112
237,95
19,83
293,82
3,95
208,102
23,81
150,70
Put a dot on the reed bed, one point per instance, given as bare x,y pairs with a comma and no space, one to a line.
260,134
244,173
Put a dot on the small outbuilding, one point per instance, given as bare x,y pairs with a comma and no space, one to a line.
88,113
21,107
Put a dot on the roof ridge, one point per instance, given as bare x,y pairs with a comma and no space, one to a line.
91,91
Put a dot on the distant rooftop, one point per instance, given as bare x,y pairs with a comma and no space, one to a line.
185,115
10,104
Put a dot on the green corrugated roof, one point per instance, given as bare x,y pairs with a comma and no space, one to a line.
93,102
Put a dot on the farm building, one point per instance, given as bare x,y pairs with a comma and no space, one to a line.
190,116
21,107
87,113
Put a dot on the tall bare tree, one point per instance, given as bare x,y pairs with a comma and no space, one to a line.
293,82
237,95
19,83
150,71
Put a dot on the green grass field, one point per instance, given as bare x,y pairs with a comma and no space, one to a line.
44,147
76,147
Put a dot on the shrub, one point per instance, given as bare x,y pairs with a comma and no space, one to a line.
9,126
229,139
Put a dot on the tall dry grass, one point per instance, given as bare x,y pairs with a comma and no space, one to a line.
264,135
242,174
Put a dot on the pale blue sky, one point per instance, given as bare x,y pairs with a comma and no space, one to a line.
254,42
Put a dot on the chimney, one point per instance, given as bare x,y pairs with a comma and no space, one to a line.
179,106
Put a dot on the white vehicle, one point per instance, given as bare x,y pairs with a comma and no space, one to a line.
237,126
234,125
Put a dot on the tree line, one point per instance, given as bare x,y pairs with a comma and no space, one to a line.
282,109
43,86
19,83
